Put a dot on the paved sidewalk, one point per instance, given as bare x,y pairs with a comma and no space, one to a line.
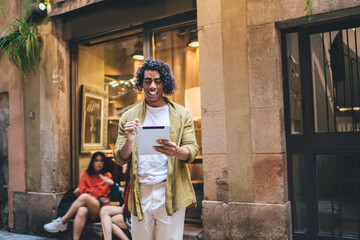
4,235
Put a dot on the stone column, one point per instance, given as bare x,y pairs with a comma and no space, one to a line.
245,182
4,164
214,141
47,110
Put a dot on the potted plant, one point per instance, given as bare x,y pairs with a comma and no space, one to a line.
19,43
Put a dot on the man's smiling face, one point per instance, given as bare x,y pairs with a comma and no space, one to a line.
153,88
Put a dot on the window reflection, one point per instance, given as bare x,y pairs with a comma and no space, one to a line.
336,80
294,83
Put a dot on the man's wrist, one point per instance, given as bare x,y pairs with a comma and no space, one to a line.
177,151
128,141
182,153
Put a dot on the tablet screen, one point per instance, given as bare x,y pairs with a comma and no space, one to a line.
147,137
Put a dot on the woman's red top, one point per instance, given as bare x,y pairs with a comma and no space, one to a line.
94,185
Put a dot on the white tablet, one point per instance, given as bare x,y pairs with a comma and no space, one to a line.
147,137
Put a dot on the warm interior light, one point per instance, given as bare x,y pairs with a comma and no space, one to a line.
193,102
348,109
138,55
193,44
114,83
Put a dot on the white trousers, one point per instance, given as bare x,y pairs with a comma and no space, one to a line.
156,223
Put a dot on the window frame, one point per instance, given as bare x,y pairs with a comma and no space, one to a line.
147,29
311,143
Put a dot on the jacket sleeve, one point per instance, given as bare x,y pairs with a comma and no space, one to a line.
188,138
119,141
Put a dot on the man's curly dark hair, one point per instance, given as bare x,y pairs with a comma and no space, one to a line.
163,68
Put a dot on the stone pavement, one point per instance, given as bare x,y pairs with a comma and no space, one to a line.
4,235
191,232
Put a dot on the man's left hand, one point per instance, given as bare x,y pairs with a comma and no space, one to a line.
170,149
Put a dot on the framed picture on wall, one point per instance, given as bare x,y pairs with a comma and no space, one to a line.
94,116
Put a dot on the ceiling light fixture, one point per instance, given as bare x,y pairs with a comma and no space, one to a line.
138,55
193,42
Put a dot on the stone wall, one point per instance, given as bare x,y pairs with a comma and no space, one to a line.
4,165
48,100
245,172
47,122
39,120
11,82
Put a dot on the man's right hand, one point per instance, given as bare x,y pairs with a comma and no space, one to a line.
130,134
130,129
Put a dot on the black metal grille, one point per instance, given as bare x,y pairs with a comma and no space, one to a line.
335,80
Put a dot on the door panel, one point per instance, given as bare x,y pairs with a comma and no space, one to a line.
322,120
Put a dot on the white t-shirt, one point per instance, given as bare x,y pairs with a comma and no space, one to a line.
152,169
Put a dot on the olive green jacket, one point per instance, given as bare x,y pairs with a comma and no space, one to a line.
179,190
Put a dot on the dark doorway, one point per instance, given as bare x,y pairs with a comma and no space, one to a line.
4,166
322,110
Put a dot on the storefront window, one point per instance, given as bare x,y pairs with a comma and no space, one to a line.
106,68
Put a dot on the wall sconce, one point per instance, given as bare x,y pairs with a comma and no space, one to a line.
138,55
38,9
193,42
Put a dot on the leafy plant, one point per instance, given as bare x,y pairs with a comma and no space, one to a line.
19,43
309,10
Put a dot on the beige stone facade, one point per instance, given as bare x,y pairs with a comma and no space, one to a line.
243,133
245,173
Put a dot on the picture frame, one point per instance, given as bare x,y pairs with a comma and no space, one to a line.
94,117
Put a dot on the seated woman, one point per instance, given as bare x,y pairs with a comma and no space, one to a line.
113,218
92,193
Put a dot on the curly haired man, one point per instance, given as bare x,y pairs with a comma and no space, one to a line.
161,188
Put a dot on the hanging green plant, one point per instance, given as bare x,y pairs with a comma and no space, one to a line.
309,10
19,43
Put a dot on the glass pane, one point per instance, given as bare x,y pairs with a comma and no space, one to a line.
336,80
338,191
108,66
299,190
294,82
179,48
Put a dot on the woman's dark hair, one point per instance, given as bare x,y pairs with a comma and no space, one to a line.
91,171
167,79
